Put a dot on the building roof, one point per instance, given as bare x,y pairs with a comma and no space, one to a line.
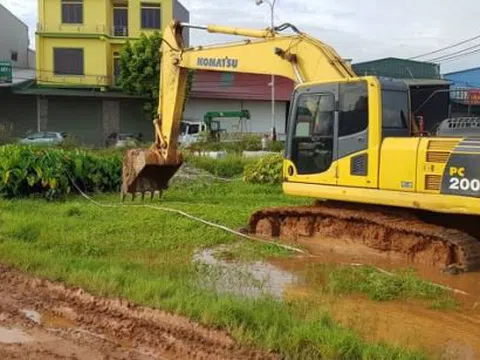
239,86
80,92
462,71
426,82
13,15
20,77
398,68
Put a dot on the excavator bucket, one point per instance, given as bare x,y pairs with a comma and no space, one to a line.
146,171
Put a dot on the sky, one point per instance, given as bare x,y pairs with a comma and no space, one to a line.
359,30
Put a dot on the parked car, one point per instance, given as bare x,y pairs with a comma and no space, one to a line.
44,138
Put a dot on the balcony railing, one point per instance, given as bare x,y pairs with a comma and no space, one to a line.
121,31
116,31
73,28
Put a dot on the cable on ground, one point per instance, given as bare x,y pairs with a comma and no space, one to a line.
239,234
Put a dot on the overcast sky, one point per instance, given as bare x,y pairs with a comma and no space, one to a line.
360,30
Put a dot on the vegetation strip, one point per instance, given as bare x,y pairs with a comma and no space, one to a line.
147,259
195,218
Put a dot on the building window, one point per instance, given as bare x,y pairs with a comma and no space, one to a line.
120,21
68,61
151,16
117,67
72,11
14,56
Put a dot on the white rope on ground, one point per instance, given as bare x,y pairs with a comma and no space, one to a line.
245,236
191,217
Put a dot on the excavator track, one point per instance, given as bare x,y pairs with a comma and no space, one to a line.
389,230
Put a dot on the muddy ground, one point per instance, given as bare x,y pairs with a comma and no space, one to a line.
43,320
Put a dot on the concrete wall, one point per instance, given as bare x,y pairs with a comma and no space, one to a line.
260,112
13,37
181,13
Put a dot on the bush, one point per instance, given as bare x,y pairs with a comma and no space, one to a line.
27,170
228,167
267,170
244,143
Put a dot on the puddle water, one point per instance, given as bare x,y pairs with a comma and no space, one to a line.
331,252
57,322
245,279
446,334
14,336
409,324
33,315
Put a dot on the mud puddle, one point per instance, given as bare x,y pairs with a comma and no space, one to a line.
443,335
253,279
43,320
13,336
447,334
452,334
343,251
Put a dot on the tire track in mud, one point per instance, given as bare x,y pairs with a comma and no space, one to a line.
77,325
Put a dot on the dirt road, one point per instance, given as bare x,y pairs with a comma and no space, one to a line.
43,320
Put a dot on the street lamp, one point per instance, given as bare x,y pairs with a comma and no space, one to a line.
272,9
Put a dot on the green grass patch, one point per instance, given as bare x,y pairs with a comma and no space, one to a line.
145,256
403,285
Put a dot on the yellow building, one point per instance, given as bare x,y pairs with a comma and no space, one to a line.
78,41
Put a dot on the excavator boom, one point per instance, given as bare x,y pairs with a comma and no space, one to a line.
351,141
298,57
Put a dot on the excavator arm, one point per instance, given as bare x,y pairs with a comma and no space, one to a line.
299,57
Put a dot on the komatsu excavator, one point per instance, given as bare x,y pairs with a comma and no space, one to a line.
352,144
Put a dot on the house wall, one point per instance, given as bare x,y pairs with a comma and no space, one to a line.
13,38
96,58
181,14
95,35
260,112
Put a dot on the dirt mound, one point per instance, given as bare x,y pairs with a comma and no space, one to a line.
383,229
75,324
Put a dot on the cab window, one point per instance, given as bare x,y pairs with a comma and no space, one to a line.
313,138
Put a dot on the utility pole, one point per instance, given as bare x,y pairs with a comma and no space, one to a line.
272,84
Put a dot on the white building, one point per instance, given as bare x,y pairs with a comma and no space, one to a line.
218,91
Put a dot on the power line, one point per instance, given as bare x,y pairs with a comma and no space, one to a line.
453,58
460,52
446,48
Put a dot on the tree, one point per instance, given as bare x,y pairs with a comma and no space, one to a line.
140,70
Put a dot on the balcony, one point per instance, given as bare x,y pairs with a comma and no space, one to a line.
120,21
119,31
72,28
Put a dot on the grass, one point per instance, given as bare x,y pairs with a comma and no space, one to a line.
379,286
145,255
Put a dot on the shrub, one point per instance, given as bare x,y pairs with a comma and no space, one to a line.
235,145
266,170
27,170
228,167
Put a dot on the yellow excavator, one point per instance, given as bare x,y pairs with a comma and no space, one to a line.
352,143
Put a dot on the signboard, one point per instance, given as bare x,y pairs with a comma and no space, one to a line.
5,72
473,97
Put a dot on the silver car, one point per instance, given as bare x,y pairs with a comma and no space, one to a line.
44,138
